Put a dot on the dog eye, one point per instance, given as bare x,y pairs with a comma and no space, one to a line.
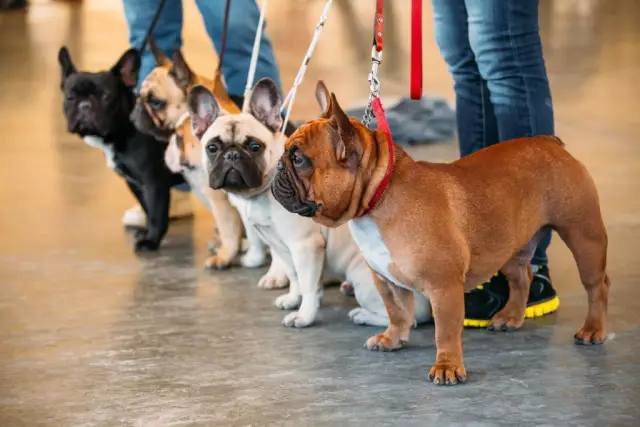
298,159
70,97
254,146
155,103
212,148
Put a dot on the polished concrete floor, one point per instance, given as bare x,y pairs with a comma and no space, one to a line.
92,335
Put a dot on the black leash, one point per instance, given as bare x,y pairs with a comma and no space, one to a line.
152,26
223,42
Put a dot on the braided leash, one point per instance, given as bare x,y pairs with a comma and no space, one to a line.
255,52
288,101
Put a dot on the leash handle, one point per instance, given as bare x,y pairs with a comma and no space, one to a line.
255,52
223,41
416,50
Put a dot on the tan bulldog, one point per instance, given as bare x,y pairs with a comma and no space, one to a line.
442,229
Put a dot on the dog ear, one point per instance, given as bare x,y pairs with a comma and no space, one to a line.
203,109
264,104
345,144
161,58
180,70
66,65
324,99
127,68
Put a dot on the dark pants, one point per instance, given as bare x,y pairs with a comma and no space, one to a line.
494,53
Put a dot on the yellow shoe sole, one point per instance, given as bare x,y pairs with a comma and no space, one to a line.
531,312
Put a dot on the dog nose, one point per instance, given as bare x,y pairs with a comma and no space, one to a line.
231,155
84,105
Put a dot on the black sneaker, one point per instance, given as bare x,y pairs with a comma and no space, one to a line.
482,303
13,4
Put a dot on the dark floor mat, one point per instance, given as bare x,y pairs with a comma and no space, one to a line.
425,121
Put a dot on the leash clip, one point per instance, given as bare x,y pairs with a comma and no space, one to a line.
374,81
374,84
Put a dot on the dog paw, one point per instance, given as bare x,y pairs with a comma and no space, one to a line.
361,316
217,262
139,233
590,335
146,245
273,282
347,289
288,301
298,319
507,319
447,374
382,342
253,259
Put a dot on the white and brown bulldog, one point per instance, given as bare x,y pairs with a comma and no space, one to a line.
441,229
240,153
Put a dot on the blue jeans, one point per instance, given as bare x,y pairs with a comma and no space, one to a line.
243,23
493,51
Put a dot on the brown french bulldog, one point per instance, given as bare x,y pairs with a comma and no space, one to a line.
445,228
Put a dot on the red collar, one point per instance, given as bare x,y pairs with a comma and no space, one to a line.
383,125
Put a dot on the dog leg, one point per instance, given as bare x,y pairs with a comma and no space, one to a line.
399,303
447,301
588,244
230,230
276,277
256,255
512,314
519,274
372,311
308,261
157,197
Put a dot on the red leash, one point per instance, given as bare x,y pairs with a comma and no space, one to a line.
416,49
376,105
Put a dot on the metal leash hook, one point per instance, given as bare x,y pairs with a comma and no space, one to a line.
374,84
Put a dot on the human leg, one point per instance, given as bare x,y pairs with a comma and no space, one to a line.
167,33
243,22
477,127
505,39
494,53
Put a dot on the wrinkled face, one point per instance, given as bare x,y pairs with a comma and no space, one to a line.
239,151
98,103
162,99
160,105
317,176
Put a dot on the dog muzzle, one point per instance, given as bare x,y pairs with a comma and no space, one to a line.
285,192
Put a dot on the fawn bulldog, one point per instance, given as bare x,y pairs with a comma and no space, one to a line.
161,111
240,152
442,229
